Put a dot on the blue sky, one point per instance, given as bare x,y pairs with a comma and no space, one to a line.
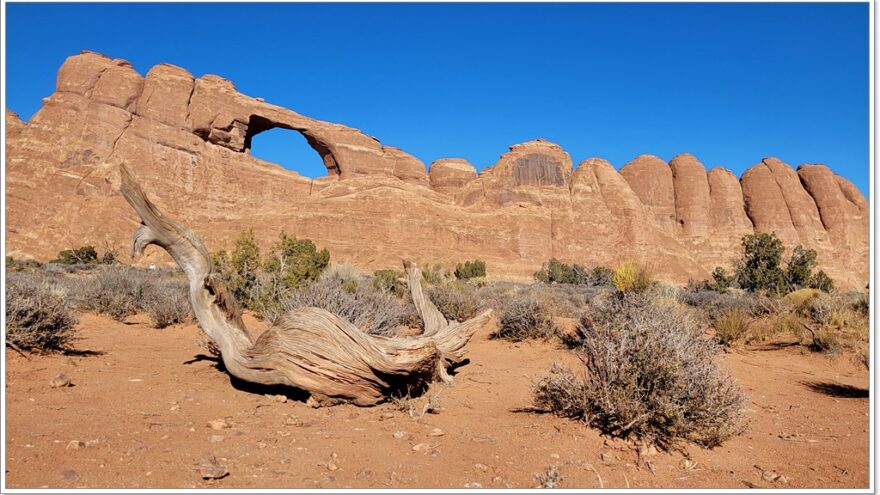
730,83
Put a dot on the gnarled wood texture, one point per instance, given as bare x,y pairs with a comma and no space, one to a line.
310,348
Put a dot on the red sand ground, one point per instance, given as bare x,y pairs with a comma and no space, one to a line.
141,408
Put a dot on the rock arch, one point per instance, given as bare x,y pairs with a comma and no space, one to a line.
258,124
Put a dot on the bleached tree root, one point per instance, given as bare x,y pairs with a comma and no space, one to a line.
310,348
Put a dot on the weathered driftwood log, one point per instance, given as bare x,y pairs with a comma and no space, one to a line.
310,348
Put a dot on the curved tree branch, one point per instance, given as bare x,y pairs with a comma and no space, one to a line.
310,349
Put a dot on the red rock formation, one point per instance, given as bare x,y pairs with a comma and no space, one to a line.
651,179
188,139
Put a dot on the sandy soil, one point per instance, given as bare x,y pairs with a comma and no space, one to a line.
138,414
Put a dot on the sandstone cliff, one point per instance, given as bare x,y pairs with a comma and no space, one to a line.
189,141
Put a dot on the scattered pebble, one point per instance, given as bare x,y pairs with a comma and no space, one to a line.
212,470
386,415
75,445
421,447
70,475
774,477
60,381
606,457
331,465
279,398
399,435
473,485
554,456
481,467
436,432
218,424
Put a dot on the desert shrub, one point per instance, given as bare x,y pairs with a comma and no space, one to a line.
240,269
831,324
759,268
167,302
14,265
120,292
555,272
784,321
470,269
648,372
801,298
820,280
731,327
116,292
435,274
389,281
721,281
799,270
598,276
340,271
38,318
629,277
713,304
457,300
295,261
86,255
524,315
373,311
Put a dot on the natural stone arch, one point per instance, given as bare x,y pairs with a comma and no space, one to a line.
258,124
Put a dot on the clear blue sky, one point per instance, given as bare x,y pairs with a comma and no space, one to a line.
731,83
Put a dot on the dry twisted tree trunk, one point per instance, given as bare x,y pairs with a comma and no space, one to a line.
310,348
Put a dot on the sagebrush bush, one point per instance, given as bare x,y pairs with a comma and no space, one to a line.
389,281
455,299
648,372
167,303
628,277
116,292
38,318
120,292
713,304
524,315
373,311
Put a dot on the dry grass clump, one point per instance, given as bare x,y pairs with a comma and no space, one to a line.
371,309
38,317
524,315
731,327
629,277
457,300
648,372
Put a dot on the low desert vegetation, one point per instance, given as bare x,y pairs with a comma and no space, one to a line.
557,272
630,277
39,316
470,269
525,315
647,373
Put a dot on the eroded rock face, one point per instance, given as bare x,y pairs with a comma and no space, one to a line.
449,175
651,179
188,139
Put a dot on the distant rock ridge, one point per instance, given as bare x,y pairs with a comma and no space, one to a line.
189,141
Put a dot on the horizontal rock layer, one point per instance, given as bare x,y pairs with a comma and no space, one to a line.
189,139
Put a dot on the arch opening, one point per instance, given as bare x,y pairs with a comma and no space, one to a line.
288,147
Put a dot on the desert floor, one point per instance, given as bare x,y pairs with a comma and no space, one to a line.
138,413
